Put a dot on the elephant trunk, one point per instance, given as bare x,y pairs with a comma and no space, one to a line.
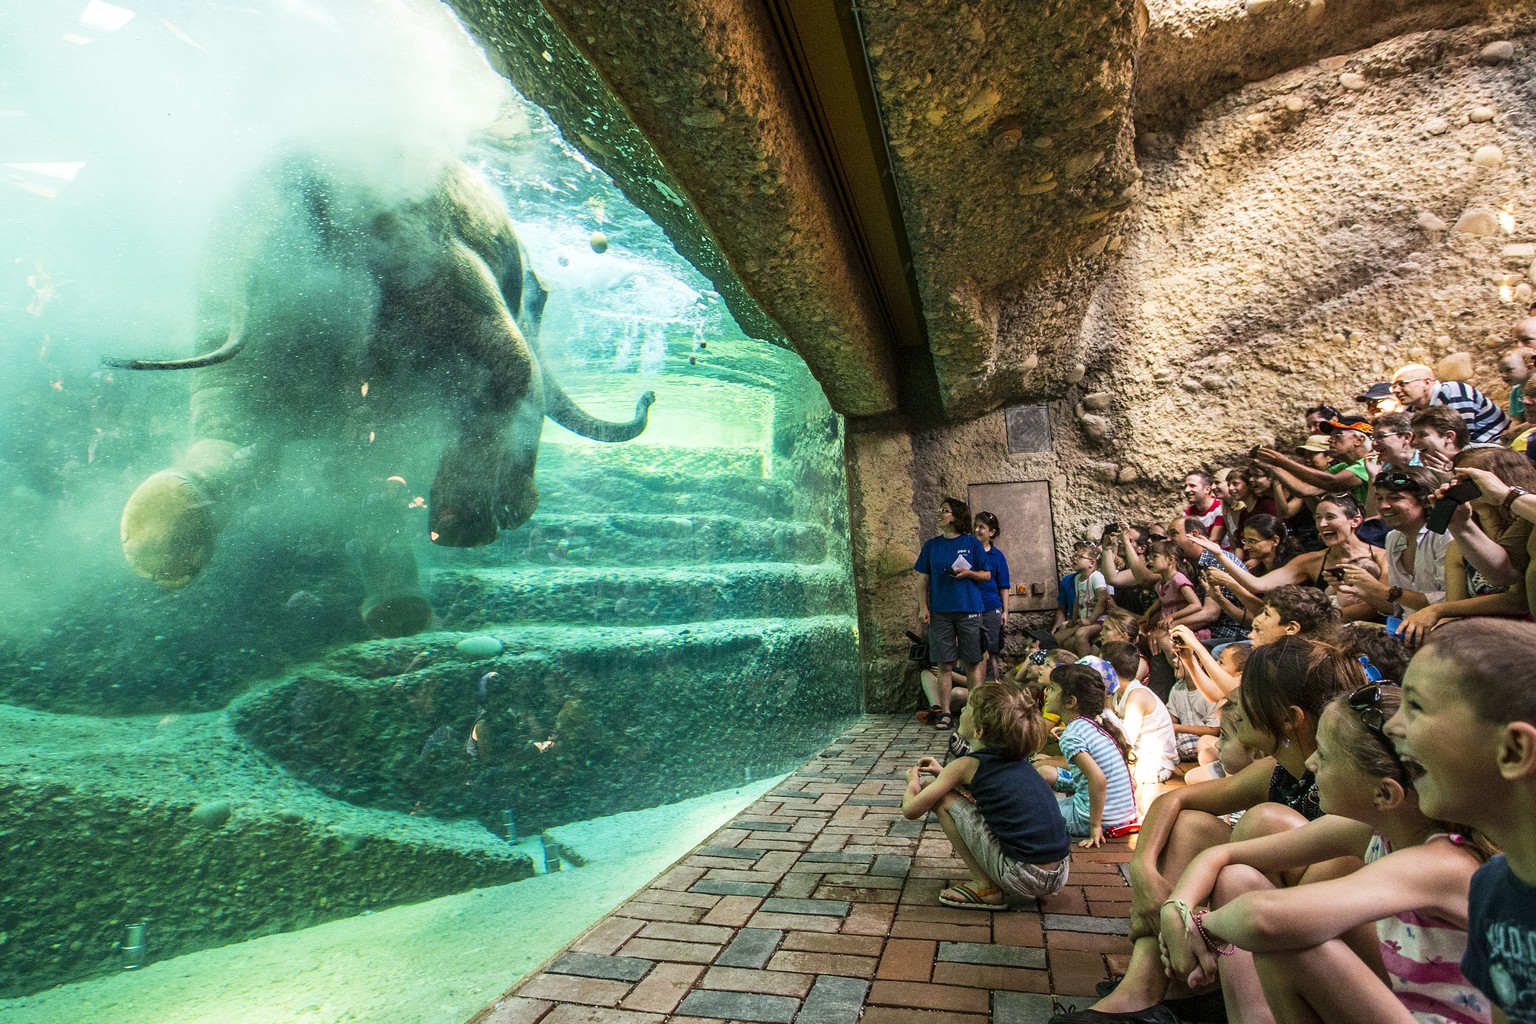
223,354
559,407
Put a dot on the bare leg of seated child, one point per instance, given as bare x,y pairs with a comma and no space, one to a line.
980,881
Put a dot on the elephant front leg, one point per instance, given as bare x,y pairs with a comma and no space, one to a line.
172,521
393,604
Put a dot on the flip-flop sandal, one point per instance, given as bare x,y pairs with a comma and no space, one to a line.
930,715
971,898
945,723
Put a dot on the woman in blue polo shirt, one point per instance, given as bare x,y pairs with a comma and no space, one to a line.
954,570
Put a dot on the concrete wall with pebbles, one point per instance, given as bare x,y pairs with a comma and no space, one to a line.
1305,236
1296,241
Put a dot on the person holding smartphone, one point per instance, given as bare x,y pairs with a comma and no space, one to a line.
1415,553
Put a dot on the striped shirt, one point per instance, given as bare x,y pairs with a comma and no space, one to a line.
1119,799
1422,955
1485,421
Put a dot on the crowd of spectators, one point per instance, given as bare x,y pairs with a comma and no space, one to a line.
1332,642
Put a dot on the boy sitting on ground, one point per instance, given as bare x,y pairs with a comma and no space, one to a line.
997,811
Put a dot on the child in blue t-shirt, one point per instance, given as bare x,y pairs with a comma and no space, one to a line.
1097,796
1468,720
996,810
994,592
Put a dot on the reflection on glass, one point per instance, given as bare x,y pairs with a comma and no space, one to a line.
384,492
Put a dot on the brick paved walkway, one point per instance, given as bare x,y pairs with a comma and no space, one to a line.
818,904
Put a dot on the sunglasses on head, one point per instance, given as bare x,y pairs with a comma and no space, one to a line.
1365,702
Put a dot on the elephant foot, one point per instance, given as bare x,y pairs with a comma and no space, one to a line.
402,614
519,501
168,529
462,514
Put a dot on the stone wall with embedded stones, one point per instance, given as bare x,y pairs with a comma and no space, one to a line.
1296,241
1303,237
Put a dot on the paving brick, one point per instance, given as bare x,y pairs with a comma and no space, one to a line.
892,864
597,965
907,960
598,1015
1013,979
815,857
1021,1008
979,932
751,947
743,1006
856,894
989,955
801,922
873,801
716,887
1075,923
687,932
1069,901
666,949
565,988
1092,941
927,996
820,908
759,825
733,911
607,935
773,983
660,912
517,1010
833,1000
819,942
1107,892
944,915
675,898
868,919
1017,929
680,877
824,963
906,829
663,988
729,852
866,881
898,1015
735,873
798,885
1076,972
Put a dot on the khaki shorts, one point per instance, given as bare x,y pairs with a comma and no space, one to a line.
1019,881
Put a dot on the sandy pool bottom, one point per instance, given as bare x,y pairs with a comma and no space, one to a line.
432,963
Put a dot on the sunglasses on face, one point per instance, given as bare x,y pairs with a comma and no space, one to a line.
1402,385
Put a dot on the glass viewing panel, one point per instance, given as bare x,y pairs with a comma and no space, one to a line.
394,519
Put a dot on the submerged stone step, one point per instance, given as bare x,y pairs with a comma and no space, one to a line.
469,599
628,478
547,729
177,821
553,539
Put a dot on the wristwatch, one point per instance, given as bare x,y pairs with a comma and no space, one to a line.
1514,494
1394,595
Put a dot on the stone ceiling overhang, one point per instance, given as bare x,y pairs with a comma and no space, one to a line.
918,197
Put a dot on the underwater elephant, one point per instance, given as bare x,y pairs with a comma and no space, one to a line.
383,334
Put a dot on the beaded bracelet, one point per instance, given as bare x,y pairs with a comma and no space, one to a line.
1220,948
